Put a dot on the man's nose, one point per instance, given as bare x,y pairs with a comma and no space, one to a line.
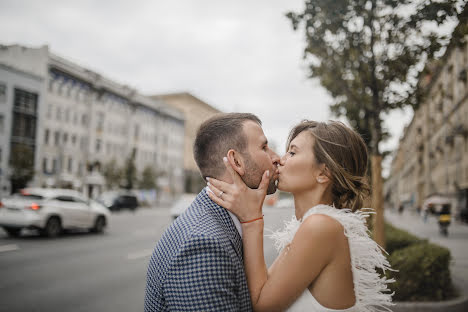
275,158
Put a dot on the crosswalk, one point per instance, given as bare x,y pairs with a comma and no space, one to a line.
9,247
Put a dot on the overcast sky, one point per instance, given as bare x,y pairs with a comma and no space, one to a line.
235,55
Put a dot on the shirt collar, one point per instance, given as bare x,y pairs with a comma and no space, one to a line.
236,223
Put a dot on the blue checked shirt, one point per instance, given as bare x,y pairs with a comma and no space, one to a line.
197,264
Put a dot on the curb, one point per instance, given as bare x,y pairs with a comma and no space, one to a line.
459,304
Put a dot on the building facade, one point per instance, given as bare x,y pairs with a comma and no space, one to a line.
432,157
84,121
195,112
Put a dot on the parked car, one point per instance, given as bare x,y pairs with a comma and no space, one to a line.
118,200
181,204
51,211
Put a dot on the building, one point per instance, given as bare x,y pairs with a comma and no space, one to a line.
195,112
432,157
77,121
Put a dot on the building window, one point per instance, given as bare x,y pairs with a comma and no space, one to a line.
2,124
2,93
70,164
57,138
46,136
44,165
73,139
26,102
98,145
58,114
100,121
84,120
65,138
54,165
49,111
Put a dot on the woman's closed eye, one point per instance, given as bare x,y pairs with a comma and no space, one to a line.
291,153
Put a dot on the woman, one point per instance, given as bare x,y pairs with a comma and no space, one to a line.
327,260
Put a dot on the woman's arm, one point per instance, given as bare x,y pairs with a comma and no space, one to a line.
295,269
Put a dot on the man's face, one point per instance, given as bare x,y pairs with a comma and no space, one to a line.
259,157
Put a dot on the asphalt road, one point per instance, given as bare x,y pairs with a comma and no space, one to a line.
90,272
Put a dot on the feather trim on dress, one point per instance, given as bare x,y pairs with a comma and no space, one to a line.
371,291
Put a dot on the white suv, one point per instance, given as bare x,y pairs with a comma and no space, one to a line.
51,211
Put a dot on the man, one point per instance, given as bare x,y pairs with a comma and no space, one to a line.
197,264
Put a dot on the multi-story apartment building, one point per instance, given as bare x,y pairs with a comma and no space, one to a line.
432,157
78,121
195,112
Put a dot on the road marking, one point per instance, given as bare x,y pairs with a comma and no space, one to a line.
140,254
11,247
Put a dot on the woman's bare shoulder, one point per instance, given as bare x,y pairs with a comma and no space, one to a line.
321,226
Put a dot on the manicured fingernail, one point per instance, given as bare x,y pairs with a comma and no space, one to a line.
207,179
268,173
208,183
225,159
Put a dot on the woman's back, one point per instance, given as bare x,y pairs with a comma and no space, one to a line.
350,276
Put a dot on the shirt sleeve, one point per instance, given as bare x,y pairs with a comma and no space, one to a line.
202,278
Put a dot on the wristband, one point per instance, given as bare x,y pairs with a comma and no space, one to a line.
252,220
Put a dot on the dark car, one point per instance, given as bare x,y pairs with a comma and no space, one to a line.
115,201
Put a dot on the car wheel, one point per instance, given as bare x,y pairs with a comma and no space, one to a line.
13,232
99,225
53,227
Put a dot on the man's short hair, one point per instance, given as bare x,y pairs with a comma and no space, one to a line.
215,137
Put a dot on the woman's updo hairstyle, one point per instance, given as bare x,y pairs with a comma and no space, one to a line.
344,154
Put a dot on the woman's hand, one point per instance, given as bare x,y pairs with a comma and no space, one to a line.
244,202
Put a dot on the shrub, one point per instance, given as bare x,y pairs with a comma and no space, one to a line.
423,272
398,239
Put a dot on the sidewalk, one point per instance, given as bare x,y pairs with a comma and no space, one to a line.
456,241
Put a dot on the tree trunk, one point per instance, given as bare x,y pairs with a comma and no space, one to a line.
377,200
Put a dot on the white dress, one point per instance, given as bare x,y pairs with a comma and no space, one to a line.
370,289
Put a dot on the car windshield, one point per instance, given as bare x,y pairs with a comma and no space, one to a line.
29,196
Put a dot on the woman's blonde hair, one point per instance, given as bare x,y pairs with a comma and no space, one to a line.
344,154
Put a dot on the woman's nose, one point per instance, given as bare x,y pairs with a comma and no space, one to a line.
283,160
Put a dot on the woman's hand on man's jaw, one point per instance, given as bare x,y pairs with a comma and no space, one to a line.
237,197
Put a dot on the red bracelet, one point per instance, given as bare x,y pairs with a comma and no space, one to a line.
252,220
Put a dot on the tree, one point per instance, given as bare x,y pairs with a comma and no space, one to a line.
112,174
148,178
22,166
367,54
130,171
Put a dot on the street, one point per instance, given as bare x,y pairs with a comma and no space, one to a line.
456,241
91,272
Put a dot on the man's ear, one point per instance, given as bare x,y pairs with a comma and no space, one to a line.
237,161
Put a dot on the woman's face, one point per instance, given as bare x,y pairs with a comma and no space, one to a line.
298,168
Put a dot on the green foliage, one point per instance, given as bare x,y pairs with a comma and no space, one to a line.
423,273
148,179
423,269
399,239
130,171
367,54
22,165
112,174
